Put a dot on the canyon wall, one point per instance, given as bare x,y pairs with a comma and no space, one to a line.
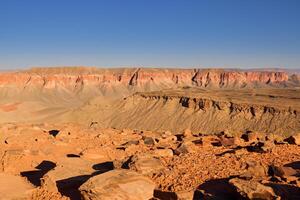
210,115
75,78
204,100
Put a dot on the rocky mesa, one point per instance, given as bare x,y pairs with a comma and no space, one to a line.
203,100
75,77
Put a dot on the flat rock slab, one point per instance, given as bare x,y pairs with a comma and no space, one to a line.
14,187
145,164
69,172
118,185
253,190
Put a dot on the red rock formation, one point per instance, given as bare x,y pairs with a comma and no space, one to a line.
75,77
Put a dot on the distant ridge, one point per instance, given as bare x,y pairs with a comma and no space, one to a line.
136,98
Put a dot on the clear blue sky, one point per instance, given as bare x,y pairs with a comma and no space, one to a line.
183,33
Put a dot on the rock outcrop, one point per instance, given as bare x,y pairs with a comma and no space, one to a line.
118,184
253,189
206,111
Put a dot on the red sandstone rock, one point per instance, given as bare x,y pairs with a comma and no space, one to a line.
253,189
77,77
118,184
294,139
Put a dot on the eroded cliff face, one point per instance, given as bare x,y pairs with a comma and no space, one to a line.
205,115
75,78
251,110
206,100
237,79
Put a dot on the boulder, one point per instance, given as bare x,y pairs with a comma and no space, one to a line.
168,139
186,147
253,189
257,147
47,183
149,141
163,152
294,139
227,141
239,141
118,184
210,140
69,172
250,136
275,138
268,146
145,164
284,172
255,170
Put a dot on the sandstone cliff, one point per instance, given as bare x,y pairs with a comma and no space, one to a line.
142,78
204,100
205,111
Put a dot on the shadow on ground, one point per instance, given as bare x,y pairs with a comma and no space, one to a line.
68,187
35,176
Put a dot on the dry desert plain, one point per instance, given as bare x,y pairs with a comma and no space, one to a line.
146,133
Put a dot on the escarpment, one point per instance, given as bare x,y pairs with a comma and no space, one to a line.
141,78
202,104
203,100
206,111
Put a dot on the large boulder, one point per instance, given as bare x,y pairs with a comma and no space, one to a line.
69,172
255,170
118,184
253,189
286,173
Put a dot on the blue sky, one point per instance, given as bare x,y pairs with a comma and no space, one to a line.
179,33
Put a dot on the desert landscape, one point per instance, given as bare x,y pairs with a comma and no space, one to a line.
150,100
149,133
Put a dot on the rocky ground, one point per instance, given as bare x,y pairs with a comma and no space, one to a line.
69,161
